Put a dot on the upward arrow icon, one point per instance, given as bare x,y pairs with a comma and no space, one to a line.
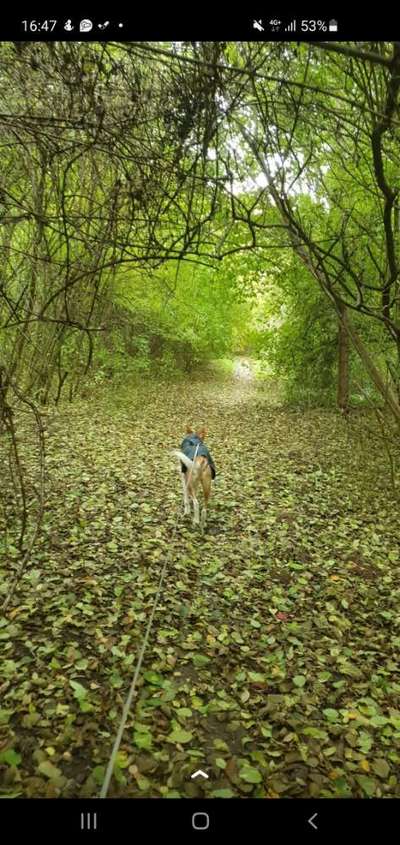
199,773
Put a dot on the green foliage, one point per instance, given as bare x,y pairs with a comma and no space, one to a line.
169,322
295,334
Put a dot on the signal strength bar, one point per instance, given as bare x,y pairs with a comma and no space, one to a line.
291,27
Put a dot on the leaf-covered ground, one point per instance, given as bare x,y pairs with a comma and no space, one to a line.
273,659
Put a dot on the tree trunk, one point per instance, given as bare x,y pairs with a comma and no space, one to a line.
343,363
372,370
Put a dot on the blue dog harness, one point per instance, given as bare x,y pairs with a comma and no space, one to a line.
189,446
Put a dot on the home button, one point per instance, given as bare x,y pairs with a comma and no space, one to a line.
200,821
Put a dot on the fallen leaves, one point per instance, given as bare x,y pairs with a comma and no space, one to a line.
272,662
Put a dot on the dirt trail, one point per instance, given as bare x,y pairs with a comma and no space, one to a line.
272,660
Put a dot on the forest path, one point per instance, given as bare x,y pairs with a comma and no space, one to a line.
272,662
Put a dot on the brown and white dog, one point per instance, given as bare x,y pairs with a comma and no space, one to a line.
197,471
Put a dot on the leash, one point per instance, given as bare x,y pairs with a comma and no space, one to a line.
195,456
132,690
128,702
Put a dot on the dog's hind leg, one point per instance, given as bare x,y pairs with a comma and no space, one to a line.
186,502
196,518
206,484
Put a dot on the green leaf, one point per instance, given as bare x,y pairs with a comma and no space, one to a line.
324,676
365,741
367,785
10,793
184,713
121,760
143,740
11,757
49,770
250,775
378,721
178,735
256,677
200,659
154,679
5,716
141,727
9,668
98,774
79,691
381,767
220,745
143,782
342,787
85,706
316,733
30,719
222,793
299,680
331,714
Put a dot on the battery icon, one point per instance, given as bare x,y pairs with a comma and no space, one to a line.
333,26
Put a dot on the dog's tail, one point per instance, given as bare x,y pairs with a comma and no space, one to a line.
182,457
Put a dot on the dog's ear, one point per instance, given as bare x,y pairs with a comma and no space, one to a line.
189,429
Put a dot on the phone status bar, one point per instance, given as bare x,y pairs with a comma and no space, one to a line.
171,26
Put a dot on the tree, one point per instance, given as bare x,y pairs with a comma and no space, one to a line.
323,119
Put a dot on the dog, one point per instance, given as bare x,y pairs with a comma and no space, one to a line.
196,468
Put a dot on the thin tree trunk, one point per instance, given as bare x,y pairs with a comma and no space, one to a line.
343,363
372,370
